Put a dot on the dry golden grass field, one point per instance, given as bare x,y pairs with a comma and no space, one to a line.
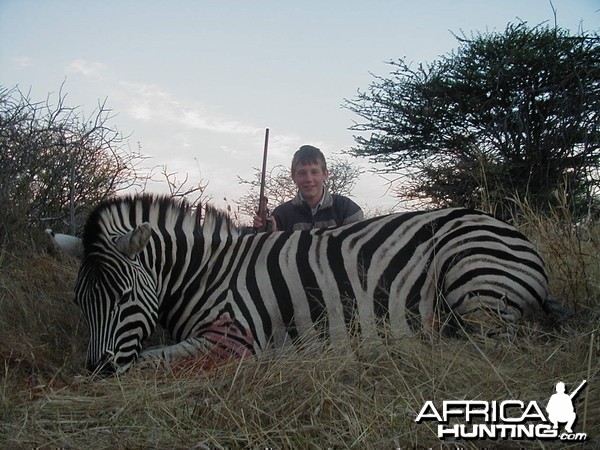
354,395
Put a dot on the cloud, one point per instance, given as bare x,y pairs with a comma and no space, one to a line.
148,102
23,61
86,68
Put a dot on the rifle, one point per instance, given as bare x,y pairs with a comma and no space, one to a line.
576,391
262,201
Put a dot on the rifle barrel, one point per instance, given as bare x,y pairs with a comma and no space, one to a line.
262,207
576,391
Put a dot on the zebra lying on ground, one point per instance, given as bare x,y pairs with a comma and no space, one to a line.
148,260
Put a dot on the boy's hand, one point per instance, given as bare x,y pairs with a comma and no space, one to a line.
258,223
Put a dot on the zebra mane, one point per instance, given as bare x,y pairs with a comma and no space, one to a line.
138,208
218,225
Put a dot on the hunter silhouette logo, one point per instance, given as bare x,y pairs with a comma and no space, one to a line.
560,407
507,419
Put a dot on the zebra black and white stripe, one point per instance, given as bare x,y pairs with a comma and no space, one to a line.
147,261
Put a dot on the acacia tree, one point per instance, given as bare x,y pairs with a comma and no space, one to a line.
279,186
55,162
512,114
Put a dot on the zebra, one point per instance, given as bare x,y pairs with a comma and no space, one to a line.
148,260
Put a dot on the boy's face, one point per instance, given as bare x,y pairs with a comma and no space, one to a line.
310,178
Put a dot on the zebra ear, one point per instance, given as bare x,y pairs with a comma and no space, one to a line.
135,241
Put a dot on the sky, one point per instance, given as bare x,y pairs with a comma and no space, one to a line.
194,84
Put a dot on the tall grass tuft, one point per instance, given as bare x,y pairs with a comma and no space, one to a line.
569,248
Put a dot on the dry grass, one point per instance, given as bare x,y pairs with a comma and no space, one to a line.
570,249
352,395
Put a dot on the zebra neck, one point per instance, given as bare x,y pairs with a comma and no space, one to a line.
184,275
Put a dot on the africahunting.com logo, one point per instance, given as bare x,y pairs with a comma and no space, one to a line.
508,419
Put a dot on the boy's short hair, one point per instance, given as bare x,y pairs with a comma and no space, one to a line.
307,154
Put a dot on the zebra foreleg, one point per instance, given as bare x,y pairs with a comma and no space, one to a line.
223,339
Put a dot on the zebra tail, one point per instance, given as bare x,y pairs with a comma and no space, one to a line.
557,314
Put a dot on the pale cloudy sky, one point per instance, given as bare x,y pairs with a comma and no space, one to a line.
197,82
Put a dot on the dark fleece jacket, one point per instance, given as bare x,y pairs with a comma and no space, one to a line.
334,210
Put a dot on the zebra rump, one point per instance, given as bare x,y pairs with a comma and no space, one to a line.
148,260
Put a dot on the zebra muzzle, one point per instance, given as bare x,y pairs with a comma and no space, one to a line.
105,366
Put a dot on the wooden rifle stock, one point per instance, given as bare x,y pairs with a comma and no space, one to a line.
262,201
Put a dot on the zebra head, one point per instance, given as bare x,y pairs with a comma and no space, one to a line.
118,298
